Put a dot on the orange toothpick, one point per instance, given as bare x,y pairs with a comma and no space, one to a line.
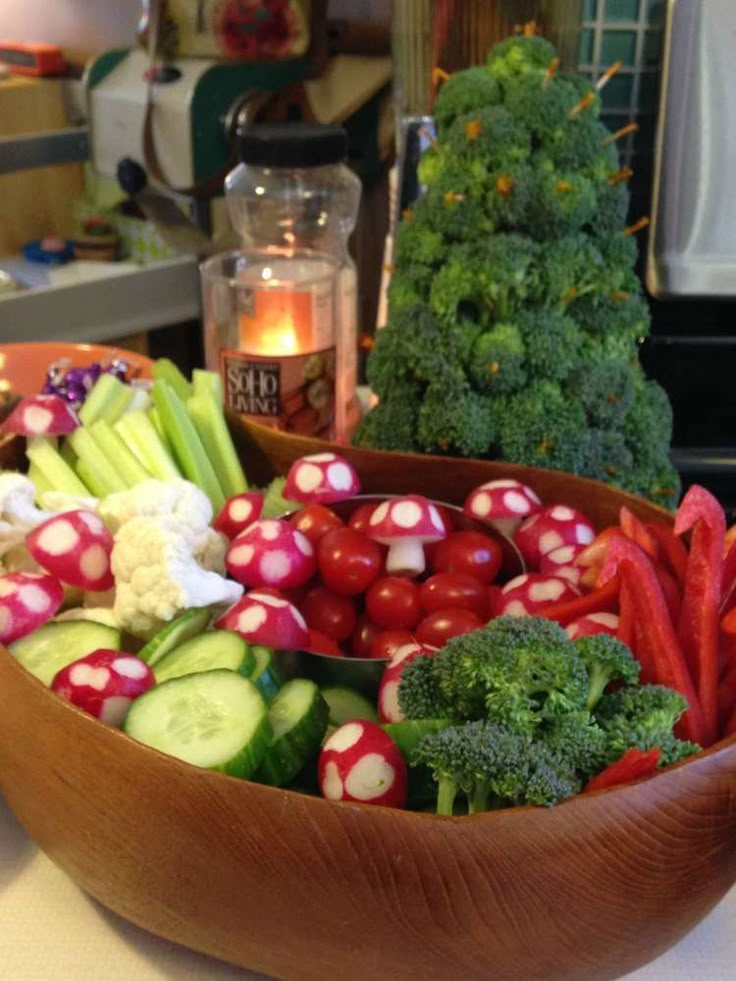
550,73
452,197
473,129
621,176
608,75
585,103
563,187
624,131
504,185
528,30
439,75
637,226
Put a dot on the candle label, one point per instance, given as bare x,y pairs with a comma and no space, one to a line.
294,393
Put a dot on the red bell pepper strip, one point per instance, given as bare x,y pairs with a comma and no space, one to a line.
626,615
728,588
603,600
634,764
726,696
730,728
671,590
637,532
656,642
699,627
671,550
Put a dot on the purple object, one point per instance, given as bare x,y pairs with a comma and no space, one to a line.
75,384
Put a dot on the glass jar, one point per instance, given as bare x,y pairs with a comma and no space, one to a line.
292,189
270,322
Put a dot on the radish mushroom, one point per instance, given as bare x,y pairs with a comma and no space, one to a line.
502,504
406,524
360,762
271,552
41,415
528,595
27,601
321,477
593,623
262,618
104,683
550,528
74,546
388,691
560,562
238,512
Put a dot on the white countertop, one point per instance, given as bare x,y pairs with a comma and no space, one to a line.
51,931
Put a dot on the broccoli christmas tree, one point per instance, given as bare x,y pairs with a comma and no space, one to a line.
515,313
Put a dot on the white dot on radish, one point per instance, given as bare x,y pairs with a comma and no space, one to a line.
129,667
345,737
482,505
331,782
94,523
370,777
6,620
240,510
86,674
516,609
406,514
516,502
562,513
37,419
242,554
303,543
7,587
308,477
320,457
549,540
34,598
274,566
270,530
269,600
57,538
251,619
539,592
94,562
340,476
584,534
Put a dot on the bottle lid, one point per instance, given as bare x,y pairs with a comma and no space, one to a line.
292,144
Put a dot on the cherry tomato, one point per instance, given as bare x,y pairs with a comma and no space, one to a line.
389,641
360,517
329,613
438,627
314,521
494,597
456,589
470,552
319,643
393,602
348,561
363,636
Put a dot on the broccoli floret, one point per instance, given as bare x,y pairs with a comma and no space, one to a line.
463,92
648,424
656,479
408,288
540,103
490,137
611,211
454,419
509,196
643,717
517,671
419,692
606,659
562,203
497,364
607,457
458,215
544,428
569,270
519,55
575,738
605,389
392,424
416,243
491,765
625,313
551,340
577,143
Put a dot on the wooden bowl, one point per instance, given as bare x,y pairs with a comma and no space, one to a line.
23,366
302,888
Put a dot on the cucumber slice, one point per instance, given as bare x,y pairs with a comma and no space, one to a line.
190,624
217,720
266,674
207,652
298,717
346,704
50,648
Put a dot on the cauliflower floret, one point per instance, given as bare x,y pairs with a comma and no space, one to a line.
61,501
157,575
178,499
18,512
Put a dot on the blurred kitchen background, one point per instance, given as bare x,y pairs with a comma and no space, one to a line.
352,78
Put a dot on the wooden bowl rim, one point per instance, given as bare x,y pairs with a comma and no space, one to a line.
77,716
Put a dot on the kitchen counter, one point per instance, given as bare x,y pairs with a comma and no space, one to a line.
51,931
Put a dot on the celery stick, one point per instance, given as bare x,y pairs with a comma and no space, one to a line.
67,453
166,370
114,449
206,414
106,478
140,399
190,454
39,481
55,470
89,476
108,400
140,436
207,381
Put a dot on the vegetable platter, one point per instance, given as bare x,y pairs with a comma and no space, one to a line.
295,885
